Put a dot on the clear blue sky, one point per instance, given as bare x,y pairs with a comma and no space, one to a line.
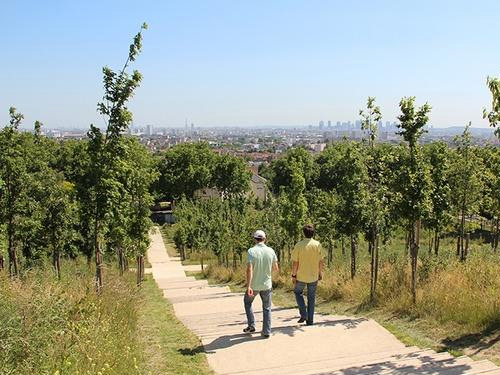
260,62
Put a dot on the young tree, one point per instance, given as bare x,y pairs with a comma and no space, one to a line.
293,205
369,120
438,157
491,198
342,170
107,150
13,172
467,185
493,115
416,188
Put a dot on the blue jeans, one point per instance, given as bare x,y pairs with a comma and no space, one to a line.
308,313
265,296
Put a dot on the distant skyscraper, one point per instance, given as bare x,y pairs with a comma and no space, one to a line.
149,130
329,123
321,124
339,124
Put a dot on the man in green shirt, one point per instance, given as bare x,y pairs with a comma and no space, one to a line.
307,269
261,260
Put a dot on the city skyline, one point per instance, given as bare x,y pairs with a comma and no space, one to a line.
275,64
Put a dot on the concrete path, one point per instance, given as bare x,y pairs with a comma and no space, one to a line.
337,345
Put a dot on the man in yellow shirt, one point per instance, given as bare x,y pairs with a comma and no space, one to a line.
307,269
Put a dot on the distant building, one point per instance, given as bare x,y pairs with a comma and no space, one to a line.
321,124
329,123
149,130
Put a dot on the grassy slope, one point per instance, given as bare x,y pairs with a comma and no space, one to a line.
169,347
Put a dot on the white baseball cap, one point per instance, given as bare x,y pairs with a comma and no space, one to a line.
259,235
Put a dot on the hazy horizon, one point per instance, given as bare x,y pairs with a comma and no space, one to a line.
258,64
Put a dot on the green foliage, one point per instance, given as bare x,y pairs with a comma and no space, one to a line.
370,119
282,169
412,120
184,169
493,115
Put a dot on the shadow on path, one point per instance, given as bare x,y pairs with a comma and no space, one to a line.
427,366
226,341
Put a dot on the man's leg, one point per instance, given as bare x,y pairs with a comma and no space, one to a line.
266,296
248,300
311,300
298,290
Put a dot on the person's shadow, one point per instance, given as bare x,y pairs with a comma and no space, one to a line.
227,341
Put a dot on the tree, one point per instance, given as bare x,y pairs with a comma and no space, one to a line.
184,169
139,175
282,169
293,206
13,172
467,185
369,121
438,157
342,170
106,150
231,175
416,187
493,115
322,205
491,198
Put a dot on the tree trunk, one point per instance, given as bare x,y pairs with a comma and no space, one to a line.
56,261
436,243
140,269
430,241
235,262
466,249
1,263
414,247
377,251
408,241
13,265
201,261
354,245
98,258
343,245
458,246
496,237
330,253
372,270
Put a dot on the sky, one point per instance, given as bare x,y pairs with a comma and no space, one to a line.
250,63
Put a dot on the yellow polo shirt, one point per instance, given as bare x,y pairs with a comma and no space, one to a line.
308,253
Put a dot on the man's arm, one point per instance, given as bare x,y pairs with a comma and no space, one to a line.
320,274
276,267
249,279
295,267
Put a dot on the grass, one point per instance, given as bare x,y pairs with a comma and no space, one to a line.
51,327
169,347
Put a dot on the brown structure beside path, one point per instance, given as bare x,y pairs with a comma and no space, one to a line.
336,345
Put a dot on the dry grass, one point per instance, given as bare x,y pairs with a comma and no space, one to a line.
64,327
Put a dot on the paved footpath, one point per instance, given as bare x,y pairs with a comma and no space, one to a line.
334,345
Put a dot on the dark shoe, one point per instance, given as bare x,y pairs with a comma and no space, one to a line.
249,329
301,320
309,323
265,336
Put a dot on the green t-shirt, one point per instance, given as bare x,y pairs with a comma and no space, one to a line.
262,257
